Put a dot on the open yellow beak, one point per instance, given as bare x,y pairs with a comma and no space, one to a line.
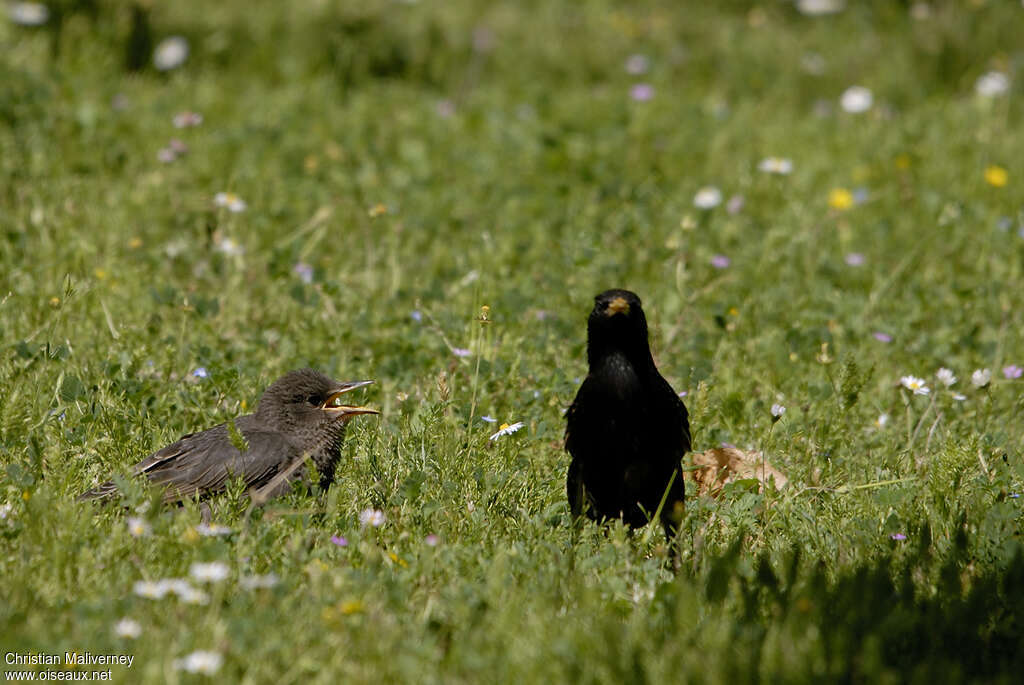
337,408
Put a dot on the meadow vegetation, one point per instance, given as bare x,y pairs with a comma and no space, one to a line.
396,167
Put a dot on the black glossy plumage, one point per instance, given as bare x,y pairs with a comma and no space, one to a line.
627,430
297,414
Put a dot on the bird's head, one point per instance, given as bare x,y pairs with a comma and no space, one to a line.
617,324
307,402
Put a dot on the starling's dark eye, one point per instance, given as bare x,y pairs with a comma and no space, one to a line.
314,400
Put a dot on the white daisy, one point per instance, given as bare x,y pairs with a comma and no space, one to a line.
170,53
707,197
992,84
856,99
776,165
945,377
372,517
193,596
212,572
815,8
256,581
230,202
507,429
127,628
29,13
150,589
981,377
914,384
138,526
212,530
200,661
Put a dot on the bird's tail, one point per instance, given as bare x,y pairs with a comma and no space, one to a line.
103,491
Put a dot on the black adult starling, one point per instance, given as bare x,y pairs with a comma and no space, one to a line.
627,430
300,413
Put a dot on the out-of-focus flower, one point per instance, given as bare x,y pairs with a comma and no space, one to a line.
707,197
1012,372
856,100
817,8
339,540
720,261
777,411
138,527
257,582
776,165
996,176
211,572
882,337
212,530
461,352
854,259
127,628
735,204
230,202
28,13
488,419
372,517
187,119
229,247
200,661
445,109
303,271
898,537
840,198
981,378
881,421
637,64
150,589
170,53
200,372
431,540
992,84
945,376
642,92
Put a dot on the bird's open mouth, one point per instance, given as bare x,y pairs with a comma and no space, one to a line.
618,306
336,406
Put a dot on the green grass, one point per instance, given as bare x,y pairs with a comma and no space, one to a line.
543,185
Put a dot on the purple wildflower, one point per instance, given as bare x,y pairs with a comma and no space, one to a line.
461,351
201,372
432,540
720,261
303,271
1012,372
416,315
735,204
899,537
642,92
882,337
854,259
339,541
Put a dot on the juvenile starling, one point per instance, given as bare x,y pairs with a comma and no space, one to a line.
300,413
627,430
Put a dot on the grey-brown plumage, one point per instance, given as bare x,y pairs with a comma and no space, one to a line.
299,413
627,430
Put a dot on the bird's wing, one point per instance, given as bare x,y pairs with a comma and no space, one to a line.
675,413
202,463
